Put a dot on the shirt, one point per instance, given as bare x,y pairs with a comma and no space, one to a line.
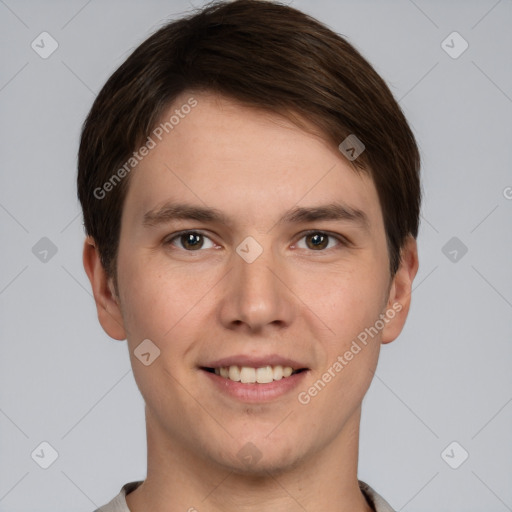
118,504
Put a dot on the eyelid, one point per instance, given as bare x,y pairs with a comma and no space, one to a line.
343,241
173,236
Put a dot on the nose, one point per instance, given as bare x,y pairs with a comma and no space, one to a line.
257,297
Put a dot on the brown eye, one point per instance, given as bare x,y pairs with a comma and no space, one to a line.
192,241
317,241
189,241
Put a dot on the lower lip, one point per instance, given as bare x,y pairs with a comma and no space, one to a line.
256,392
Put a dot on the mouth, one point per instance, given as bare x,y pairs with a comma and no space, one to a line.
255,379
254,375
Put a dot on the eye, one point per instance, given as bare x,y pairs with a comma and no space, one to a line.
319,240
189,241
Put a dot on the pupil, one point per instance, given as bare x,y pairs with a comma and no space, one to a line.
192,240
318,240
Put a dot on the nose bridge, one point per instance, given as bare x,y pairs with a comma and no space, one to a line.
256,296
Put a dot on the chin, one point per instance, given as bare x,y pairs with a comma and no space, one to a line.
262,458
263,468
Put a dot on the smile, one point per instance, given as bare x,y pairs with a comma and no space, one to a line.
250,375
254,378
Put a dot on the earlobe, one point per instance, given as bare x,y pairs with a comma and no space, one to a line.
399,299
107,305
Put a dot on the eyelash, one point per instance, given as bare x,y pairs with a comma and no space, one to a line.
342,241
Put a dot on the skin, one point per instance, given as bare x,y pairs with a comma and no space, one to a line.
198,305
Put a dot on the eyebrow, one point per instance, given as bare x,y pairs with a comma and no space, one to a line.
297,215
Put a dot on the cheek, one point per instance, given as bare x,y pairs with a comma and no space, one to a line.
166,303
155,307
347,302
152,302
350,304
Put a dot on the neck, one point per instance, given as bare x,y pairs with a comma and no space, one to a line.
178,480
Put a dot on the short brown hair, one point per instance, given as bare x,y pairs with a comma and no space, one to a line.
266,55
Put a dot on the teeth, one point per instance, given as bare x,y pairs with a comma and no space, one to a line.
278,372
234,373
248,375
264,375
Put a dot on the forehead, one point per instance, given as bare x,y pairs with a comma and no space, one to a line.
247,162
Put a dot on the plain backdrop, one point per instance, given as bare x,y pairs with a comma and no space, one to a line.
446,380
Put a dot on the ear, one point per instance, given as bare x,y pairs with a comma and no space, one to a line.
399,299
107,303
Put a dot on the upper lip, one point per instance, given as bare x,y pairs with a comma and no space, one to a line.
255,361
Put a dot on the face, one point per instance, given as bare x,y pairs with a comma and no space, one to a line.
250,250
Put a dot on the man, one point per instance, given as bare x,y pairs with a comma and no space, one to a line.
251,196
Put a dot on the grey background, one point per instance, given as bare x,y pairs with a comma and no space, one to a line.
447,378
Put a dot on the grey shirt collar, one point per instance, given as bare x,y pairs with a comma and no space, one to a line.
118,504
